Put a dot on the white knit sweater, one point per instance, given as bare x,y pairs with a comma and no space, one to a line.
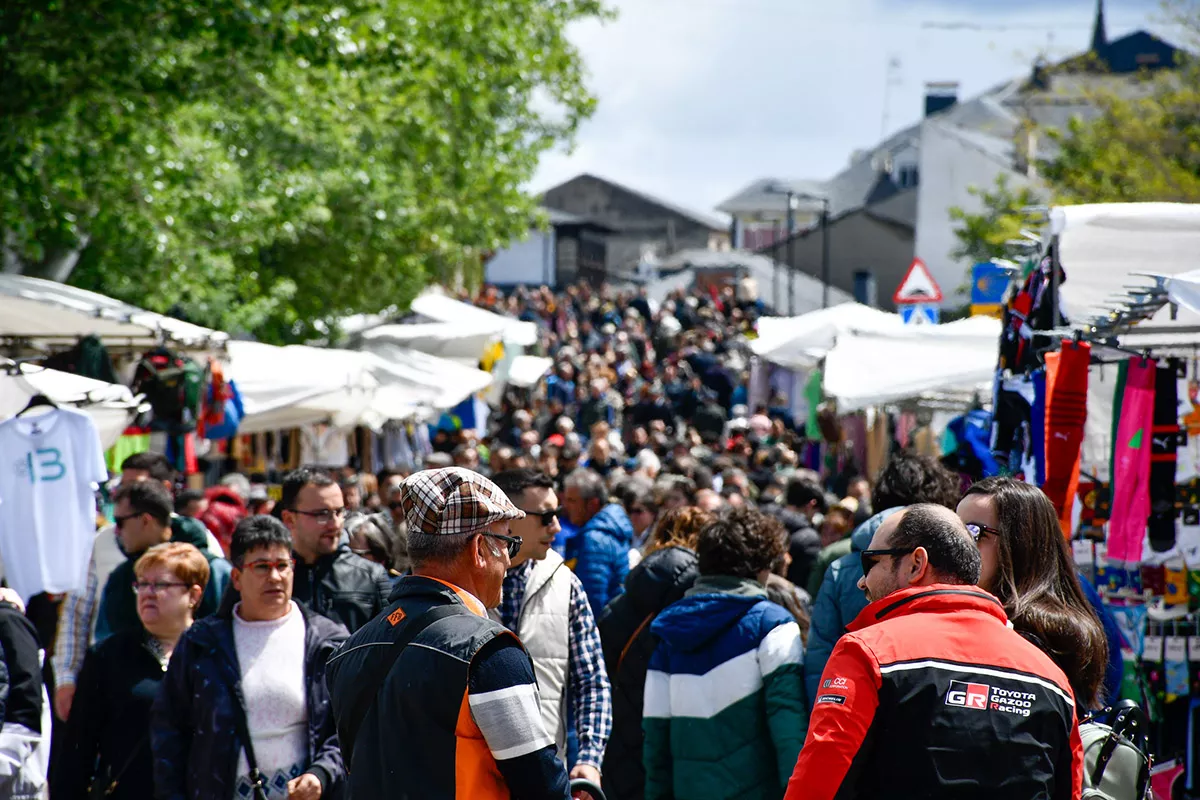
271,657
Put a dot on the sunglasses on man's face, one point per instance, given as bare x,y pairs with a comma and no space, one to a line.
513,543
871,557
546,518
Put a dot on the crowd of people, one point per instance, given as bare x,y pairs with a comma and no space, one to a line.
632,580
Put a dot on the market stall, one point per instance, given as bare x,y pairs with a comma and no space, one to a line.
110,406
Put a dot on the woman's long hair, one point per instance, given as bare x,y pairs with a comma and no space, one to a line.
679,527
1036,582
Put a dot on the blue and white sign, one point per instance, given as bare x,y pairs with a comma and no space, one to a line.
919,313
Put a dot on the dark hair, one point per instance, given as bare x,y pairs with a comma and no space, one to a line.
634,492
147,497
569,452
382,541
951,552
702,476
297,479
1036,582
740,543
253,533
515,481
382,476
909,479
783,592
802,491
156,464
185,498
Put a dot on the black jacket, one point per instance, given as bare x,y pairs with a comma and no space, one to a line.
343,586
20,670
110,721
660,580
193,733
804,543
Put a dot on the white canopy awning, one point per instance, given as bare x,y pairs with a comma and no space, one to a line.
283,387
428,381
867,369
526,371
44,310
460,343
111,406
434,303
800,342
1102,245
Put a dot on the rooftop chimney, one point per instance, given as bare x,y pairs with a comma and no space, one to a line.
940,95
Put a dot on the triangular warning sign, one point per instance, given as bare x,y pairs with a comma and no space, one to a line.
918,286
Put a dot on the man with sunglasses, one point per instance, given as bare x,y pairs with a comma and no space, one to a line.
434,699
931,692
330,579
545,605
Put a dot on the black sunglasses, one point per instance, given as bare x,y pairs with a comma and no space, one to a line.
514,543
119,520
871,557
546,517
977,530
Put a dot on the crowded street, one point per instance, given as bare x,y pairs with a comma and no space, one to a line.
408,400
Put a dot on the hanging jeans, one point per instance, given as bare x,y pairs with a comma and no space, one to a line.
1131,464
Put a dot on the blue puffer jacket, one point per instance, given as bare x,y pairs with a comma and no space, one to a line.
192,730
599,554
839,601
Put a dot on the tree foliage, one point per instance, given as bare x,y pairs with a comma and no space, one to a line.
267,165
982,236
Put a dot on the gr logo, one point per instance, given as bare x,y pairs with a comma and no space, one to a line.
968,695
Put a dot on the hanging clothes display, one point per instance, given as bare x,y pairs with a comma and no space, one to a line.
1066,413
321,444
1163,447
51,467
1133,417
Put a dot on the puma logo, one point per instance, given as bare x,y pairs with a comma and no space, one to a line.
1061,435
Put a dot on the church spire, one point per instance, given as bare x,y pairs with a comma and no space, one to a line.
1099,32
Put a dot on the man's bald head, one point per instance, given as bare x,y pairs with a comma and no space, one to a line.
953,554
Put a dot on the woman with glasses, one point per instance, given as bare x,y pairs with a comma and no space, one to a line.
244,710
1027,565
106,750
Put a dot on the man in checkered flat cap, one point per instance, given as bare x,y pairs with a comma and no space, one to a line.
432,698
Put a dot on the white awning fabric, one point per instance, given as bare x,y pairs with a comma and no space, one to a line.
868,369
435,304
1101,246
526,371
800,342
111,406
44,310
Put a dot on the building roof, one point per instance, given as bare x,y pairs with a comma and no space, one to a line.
769,195
712,223
565,219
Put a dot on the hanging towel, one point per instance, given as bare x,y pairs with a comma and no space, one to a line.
1066,413
1163,454
1131,462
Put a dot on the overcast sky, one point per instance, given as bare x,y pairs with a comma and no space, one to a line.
700,97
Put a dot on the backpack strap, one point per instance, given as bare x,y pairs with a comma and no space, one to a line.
370,681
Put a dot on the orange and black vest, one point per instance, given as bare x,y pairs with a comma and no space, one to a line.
418,739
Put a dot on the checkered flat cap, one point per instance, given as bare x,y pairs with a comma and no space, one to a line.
453,500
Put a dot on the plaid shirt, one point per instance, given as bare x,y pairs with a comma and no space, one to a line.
587,680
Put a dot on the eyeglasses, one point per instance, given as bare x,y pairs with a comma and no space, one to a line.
871,557
263,569
977,531
514,543
546,517
324,516
155,587
120,521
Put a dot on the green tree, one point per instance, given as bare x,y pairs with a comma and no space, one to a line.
982,236
269,166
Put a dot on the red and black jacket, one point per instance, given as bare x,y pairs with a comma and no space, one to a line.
930,694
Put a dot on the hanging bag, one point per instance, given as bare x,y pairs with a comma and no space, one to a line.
1115,761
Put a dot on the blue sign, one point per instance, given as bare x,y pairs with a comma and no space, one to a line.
919,314
988,284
